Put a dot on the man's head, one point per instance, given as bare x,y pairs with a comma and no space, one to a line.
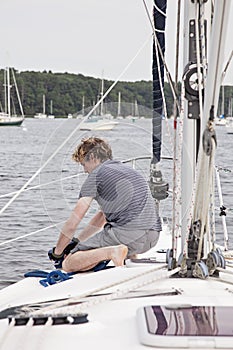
91,149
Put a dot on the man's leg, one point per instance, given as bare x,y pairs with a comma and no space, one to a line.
87,259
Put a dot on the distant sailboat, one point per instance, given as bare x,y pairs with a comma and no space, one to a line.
51,116
6,116
229,119
41,115
135,112
221,120
119,116
81,115
102,121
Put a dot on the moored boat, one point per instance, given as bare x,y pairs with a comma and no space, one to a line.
179,293
7,118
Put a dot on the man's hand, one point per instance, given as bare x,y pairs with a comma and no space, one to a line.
58,258
71,246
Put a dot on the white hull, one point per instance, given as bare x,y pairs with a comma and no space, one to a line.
5,120
40,116
98,124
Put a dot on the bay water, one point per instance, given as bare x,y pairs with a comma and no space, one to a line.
31,224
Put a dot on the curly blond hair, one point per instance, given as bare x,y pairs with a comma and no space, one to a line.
92,146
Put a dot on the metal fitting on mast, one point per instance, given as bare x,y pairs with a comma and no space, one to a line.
158,187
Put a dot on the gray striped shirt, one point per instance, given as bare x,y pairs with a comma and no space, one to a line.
123,195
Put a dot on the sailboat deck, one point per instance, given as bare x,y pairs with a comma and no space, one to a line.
112,312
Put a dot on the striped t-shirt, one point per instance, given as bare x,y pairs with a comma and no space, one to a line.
123,195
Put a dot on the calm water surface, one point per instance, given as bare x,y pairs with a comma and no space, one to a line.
23,150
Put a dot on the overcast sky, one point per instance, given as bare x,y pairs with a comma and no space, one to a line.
91,37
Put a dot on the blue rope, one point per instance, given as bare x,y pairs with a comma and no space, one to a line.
54,277
49,278
57,276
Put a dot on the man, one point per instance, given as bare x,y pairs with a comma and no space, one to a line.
125,225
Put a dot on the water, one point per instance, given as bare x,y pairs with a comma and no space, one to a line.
23,150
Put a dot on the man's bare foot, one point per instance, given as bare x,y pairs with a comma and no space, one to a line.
118,254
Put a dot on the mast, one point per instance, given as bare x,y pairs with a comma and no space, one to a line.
192,82
8,93
43,104
18,96
51,107
83,105
136,111
119,104
204,37
101,97
5,91
223,98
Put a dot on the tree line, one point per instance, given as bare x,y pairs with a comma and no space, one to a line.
67,92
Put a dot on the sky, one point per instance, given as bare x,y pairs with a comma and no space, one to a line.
95,38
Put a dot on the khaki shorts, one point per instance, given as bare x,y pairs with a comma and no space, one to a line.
137,241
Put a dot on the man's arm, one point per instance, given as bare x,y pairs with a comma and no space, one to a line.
72,223
96,223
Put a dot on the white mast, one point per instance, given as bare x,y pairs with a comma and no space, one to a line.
43,104
223,98
201,87
83,105
8,93
5,92
17,92
101,97
51,107
119,104
191,124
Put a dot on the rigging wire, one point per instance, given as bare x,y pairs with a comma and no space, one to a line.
158,273
17,92
169,78
75,129
42,185
227,65
130,160
211,97
176,199
31,233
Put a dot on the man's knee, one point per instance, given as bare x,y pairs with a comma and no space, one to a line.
67,263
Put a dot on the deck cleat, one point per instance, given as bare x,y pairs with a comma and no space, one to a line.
200,270
169,254
212,262
171,263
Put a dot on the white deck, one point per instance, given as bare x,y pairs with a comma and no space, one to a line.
112,315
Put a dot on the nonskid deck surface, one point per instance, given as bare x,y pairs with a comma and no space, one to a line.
81,283
113,320
110,298
148,273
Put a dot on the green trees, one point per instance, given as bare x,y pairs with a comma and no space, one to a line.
66,91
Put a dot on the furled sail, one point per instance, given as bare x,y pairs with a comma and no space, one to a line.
159,16
158,187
